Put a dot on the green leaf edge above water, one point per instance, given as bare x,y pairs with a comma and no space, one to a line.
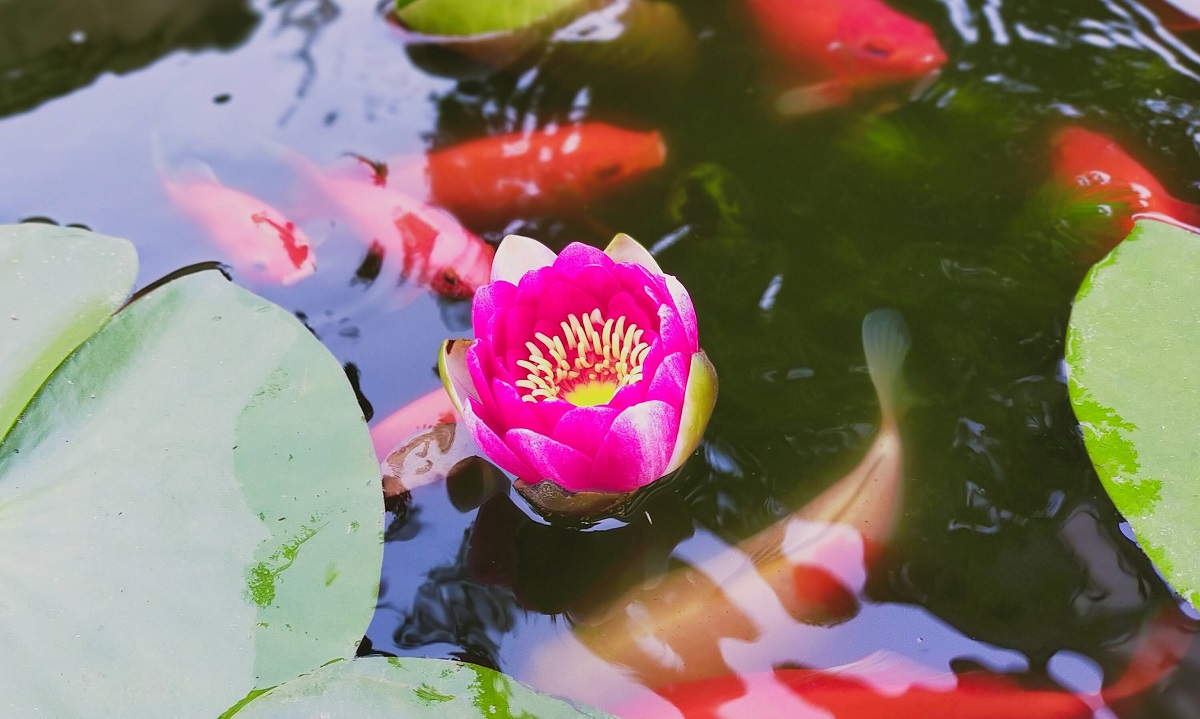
477,17
1133,358
190,510
78,278
412,688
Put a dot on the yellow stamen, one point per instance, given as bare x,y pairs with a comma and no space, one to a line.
598,357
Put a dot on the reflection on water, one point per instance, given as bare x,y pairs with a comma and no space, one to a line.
1006,557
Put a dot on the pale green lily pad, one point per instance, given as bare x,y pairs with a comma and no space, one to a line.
78,278
476,17
390,687
189,511
1133,352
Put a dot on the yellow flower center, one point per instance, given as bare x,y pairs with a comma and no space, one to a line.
586,363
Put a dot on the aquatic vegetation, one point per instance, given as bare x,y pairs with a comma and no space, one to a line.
386,687
586,371
190,493
1131,358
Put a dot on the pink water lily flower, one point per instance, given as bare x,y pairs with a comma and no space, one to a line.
586,369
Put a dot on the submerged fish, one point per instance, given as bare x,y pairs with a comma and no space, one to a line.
1093,167
431,246
423,413
835,49
501,178
669,630
1177,15
972,695
255,238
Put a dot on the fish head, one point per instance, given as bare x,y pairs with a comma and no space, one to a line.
884,48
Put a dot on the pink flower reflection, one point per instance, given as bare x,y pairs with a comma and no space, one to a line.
586,370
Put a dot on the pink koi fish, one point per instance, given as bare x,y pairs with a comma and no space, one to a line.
432,247
254,237
833,50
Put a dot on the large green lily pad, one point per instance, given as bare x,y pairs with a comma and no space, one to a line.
189,511
390,687
78,279
1133,351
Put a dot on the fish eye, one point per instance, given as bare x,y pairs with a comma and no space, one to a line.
877,48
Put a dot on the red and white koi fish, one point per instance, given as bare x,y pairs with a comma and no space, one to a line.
802,693
494,180
1095,168
669,630
254,237
432,247
835,49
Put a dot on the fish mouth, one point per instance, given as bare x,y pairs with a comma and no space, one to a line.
924,83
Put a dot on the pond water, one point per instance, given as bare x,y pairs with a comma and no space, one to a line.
1009,556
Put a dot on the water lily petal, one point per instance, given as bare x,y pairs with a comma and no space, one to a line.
518,330
490,301
513,412
452,367
699,399
577,255
517,255
597,281
669,382
493,447
622,304
624,248
565,466
687,312
671,332
637,448
584,428
641,286
561,299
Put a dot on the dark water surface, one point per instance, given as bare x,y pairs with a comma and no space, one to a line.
1009,555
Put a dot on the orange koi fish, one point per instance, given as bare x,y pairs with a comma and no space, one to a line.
1095,168
973,695
432,247
494,180
256,239
1177,15
669,630
835,49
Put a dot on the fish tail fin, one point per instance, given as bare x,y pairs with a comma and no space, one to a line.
1160,648
886,342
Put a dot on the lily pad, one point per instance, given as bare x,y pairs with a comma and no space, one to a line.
189,512
476,17
1134,376
78,278
390,687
